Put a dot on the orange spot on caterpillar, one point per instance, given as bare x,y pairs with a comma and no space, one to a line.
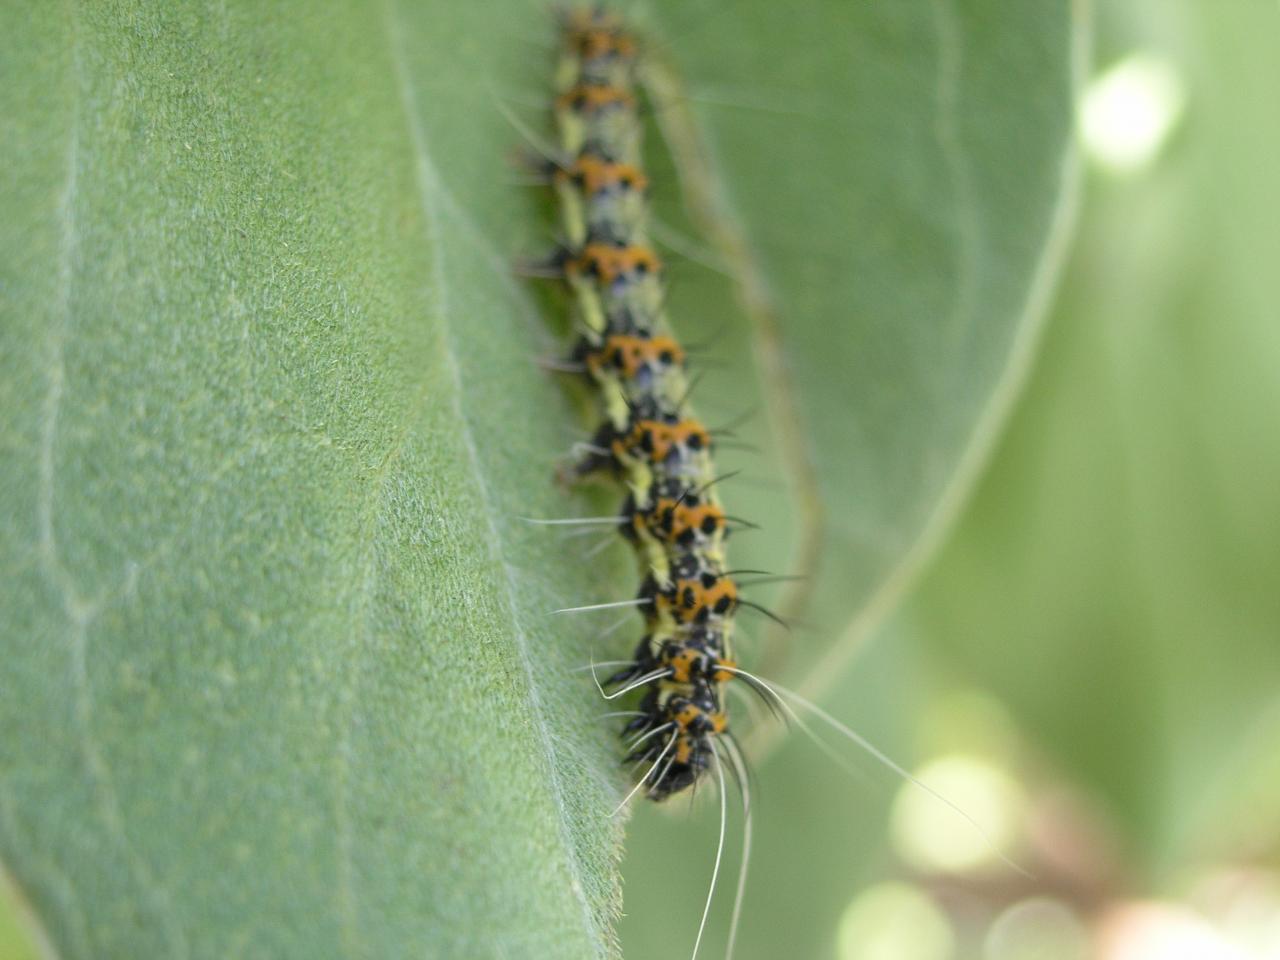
657,442
684,749
680,525
596,34
689,664
592,98
609,263
595,175
697,599
631,355
599,43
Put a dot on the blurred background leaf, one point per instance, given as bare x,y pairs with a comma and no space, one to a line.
1103,626
1114,580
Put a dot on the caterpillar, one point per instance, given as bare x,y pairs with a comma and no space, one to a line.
650,443
649,440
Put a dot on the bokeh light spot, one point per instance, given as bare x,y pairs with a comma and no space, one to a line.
894,921
1129,110
1037,929
932,837
1163,931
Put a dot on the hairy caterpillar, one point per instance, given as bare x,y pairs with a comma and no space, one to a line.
649,441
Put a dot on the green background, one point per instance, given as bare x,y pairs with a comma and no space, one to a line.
1108,592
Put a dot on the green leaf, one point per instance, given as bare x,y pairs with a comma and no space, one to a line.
1115,579
280,678
278,675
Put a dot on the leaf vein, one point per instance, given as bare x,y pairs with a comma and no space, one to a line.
79,610
435,202
947,131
